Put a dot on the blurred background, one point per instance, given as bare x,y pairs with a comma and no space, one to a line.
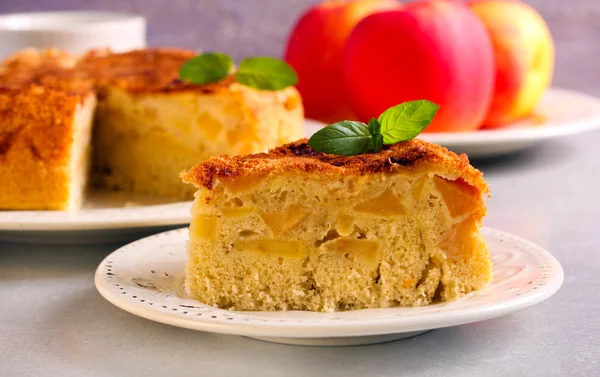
253,27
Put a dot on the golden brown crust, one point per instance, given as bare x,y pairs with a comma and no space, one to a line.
298,156
23,116
139,71
32,67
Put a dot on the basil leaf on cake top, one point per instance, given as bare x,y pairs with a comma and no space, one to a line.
406,120
399,123
345,138
206,68
262,72
266,73
376,136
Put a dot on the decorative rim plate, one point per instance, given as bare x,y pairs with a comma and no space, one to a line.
145,278
560,113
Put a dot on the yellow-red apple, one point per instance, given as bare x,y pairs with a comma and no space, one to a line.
435,50
314,49
524,53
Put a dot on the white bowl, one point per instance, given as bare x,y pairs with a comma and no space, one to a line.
73,31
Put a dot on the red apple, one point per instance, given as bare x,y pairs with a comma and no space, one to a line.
435,50
315,47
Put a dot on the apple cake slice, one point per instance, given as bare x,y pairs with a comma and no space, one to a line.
299,229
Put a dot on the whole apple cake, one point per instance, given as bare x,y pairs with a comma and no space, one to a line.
130,117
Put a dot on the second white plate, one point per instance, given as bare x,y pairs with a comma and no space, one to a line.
145,278
106,217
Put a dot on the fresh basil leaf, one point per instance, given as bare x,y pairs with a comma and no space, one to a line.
345,138
374,127
376,138
206,68
407,120
376,142
266,73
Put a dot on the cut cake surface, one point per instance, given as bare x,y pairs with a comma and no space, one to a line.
150,125
299,229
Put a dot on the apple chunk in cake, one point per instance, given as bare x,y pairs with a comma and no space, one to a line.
299,229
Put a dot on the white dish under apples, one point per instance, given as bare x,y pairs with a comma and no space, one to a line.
560,113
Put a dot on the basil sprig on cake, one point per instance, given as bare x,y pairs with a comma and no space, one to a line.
260,72
399,123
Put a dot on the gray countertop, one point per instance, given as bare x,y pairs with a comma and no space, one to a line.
54,323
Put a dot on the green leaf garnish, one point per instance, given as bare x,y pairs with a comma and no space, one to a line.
399,123
407,120
266,73
376,137
262,72
374,127
345,138
206,68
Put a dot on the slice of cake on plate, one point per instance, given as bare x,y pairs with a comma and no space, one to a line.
300,229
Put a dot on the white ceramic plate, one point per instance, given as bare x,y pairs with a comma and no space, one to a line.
105,217
146,278
560,113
